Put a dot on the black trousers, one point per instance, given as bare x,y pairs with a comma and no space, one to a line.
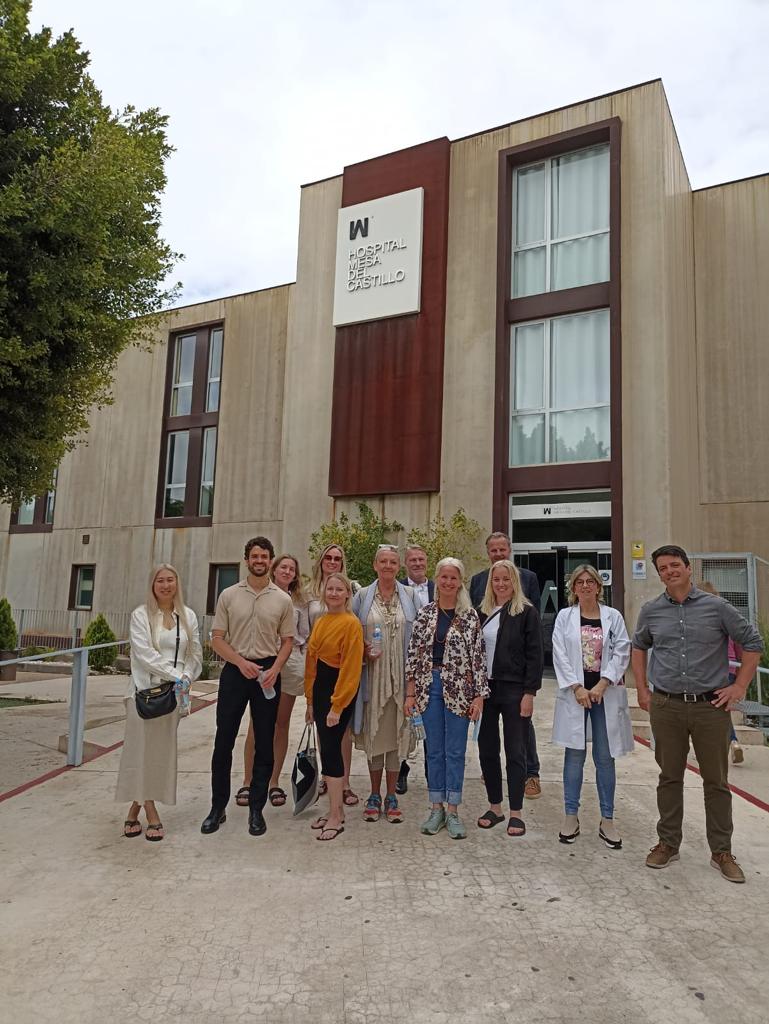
329,737
235,693
515,731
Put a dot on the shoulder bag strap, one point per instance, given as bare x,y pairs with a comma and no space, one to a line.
176,652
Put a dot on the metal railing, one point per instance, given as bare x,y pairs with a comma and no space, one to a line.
59,629
77,692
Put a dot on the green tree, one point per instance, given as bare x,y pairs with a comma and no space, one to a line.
458,536
9,636
358,538
99,632
81,259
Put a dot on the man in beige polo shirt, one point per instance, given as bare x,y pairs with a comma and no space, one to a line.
253,631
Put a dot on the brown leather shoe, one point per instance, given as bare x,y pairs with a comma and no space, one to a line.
661,855
728,866
532,790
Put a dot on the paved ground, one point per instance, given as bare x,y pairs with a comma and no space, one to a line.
382,925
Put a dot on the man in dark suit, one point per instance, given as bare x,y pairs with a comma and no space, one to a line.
498,546
415,561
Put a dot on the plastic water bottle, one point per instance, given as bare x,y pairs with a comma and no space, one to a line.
269,692
418,726
375,647
182,691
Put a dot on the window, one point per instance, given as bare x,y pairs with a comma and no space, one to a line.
188,453
36,514
561,222
559,390
219,578
81,587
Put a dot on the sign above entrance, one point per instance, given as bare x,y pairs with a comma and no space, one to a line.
379,258
562,510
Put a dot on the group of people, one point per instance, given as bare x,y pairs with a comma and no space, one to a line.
385,665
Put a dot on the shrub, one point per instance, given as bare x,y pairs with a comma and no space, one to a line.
359,539
9,636
99,632
459,536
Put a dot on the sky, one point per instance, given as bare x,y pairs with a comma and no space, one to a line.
263,97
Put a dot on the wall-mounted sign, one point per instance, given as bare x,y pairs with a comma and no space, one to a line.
379,258
639,568
563,510
605,575
637,549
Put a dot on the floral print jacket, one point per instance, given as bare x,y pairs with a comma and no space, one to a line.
463,672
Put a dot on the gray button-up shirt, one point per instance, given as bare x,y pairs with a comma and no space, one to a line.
690,641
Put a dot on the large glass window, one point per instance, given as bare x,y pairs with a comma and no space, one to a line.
82,586
561,222
219,578
560,390
36,514
26,514
188,451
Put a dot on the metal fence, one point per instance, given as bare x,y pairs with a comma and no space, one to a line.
57,629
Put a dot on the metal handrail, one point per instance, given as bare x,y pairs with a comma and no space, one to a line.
77,692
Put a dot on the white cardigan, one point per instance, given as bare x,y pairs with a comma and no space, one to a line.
569,720
148,665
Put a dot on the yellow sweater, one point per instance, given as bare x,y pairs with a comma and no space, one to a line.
336,639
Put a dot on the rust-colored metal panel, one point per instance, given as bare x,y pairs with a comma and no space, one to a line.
388,374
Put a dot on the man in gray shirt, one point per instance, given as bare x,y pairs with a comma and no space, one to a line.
688,633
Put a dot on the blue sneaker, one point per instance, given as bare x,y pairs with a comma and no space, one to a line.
434,823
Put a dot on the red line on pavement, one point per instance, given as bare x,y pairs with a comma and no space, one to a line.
756,801
100,752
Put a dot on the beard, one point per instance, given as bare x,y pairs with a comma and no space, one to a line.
259,569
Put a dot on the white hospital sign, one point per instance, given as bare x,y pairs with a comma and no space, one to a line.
379,258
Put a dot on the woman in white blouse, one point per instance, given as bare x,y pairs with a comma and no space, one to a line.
165,645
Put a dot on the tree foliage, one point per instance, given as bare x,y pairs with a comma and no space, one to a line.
81,257
99,632
358,539
9,636
458,536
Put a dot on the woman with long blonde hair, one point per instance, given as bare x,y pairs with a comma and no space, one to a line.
512,634
285,573
165,646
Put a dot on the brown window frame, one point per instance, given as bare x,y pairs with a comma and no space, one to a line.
604,295
38,524
211,596
195,423
77,566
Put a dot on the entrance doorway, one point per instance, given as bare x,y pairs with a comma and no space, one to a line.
554,533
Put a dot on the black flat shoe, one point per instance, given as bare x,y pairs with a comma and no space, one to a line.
216,817
568,839
401,786
257,826
613,844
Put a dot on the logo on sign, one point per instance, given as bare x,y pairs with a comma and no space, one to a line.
358,227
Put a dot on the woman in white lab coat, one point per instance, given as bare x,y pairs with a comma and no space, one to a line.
591,651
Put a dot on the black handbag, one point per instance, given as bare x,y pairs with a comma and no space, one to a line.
161,699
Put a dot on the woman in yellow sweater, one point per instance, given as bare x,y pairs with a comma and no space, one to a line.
331,678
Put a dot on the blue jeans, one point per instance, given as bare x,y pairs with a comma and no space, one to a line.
574,762
446,740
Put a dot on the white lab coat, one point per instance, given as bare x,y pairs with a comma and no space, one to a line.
569,719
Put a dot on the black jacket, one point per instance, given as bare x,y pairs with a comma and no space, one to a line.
518,656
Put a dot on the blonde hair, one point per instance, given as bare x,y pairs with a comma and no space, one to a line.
517,602
463,598
316,580
295,587
179,606
592,572
347,586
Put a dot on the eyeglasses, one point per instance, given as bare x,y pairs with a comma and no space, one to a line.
332,558
585,583
387,547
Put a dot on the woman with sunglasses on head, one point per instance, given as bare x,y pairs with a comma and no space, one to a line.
512,633
332,676
330,560
285,573
591,652
446,683
165,647
386,610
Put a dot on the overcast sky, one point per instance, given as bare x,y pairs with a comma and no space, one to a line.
263,97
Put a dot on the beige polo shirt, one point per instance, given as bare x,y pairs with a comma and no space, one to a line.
254,622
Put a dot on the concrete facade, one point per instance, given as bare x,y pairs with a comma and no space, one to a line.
693,306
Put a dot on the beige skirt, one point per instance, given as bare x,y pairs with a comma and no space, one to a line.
148,762
292,675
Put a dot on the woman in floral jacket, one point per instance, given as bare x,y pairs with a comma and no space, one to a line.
446,683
